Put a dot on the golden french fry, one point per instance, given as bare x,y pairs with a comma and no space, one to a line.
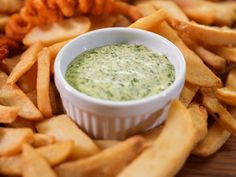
107,163
188,93
8,64
217,110
55,48
104,144
28,59
151,135
8,114
59,31
206,34
10,165
56,153
11,95
215,139
197,72
13,138
229,53
43,82
212,60
34,165
42,140
63,128
98,22
162,153
21,123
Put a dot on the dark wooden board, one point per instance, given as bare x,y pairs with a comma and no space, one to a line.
221,164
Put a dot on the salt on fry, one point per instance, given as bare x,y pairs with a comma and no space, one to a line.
34,164
217,110
100,164
28,59
8,114
63,128
167,148
59,31
215,139
188,93
11,95
43,82
12,139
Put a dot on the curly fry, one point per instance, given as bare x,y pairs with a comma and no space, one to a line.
39,12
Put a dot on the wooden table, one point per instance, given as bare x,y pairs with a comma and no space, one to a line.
221,164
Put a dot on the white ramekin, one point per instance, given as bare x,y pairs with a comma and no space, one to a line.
104,119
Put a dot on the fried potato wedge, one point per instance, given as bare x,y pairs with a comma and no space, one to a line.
104,144
63,128
206,34
34,165
27,60
100,164
43,82
217,110
215,139
58,31
12,139
162,153
197,72
8,114
229,53
11,95
42,140
188,93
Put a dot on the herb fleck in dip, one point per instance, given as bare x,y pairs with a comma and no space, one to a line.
120,72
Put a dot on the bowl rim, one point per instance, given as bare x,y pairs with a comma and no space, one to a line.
67,87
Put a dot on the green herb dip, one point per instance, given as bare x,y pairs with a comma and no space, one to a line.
120,72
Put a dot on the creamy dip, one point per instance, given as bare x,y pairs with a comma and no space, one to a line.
120,72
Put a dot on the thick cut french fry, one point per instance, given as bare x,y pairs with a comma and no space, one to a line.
28,59
217,110
12,139
42,140
105,164
104,144
188,93
11,95
98,22
197,72
43,82
34,165
63,128
58,31
167,153
151,135
215,139
229,53
8,114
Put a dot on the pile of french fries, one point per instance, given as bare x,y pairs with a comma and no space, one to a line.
38,140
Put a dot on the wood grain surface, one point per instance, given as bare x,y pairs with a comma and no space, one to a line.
221,164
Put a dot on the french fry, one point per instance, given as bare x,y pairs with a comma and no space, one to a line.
55,48
167,148
12,139
206,34
63,128
34,165
43,82
197,72
98,22
10,165
100,164
188,93
229,53
215,139
8,114
151,135
11,95
104,144
58,31
217,110
28,59
42,140
212,60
